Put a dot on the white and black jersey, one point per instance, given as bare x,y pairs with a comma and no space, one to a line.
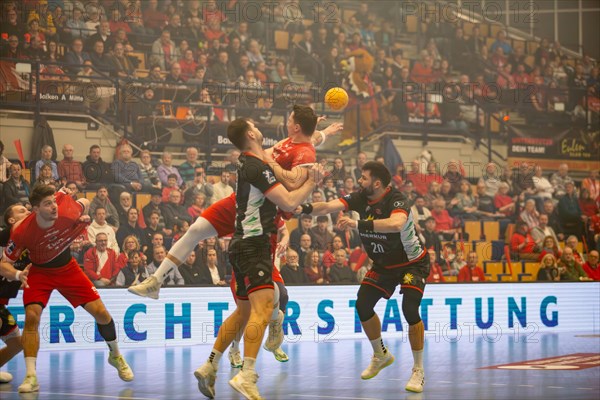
388,250
10,289
255,213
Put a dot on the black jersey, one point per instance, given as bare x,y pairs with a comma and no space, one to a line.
389,250
9,289
255,213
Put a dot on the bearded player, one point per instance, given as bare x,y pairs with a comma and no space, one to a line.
47,233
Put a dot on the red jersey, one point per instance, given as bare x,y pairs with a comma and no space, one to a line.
289,154
46,245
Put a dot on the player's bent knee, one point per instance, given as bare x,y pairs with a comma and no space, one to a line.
410,306
366,300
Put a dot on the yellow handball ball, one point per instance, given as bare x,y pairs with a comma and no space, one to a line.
336,98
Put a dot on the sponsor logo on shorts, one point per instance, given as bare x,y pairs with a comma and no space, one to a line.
408,278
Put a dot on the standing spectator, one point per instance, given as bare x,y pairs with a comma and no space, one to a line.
312,268
548,269
167,168
173,277
212,273
126,171
99,225
76,57
46,159
560,179
222,188
130,227
570,215
102,200
542,187
191,271
523,244
69,169
361,159
569,268
291,271
471,272
420,213
340,272
135,271
16,189
100,262
591,267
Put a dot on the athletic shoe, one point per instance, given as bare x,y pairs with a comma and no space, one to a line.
378,362
206,375
416,381
275,337
125,373
5,377
245,383
148,288
280,355
30,384
235,359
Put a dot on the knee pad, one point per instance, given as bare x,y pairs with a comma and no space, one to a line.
283,296
275,296
367,298
410,306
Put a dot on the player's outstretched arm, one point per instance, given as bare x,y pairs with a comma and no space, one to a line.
292,179
388,225
289,201
322,208
319,137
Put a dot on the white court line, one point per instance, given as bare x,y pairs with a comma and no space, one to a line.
585,388
556,387
471,383
525,385
86,395
498,384
445,382
316,396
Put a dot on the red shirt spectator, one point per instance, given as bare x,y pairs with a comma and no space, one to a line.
443,220
435,271
591,267
471,272
105,273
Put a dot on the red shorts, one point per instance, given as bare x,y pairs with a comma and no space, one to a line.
69,280
221,215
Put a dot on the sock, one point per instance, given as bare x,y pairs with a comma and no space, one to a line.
235,345
114,348
275,313
418,357
200,230
378,346
109,334
249,364
215,358
30,365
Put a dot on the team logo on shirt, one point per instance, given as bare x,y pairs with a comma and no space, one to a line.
398,204
269,176
408,279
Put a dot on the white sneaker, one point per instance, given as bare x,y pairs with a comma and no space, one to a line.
275,337
235,358
206,376
416,381
5,377
125,373
148,288
280,355
30,384
245,383
378,362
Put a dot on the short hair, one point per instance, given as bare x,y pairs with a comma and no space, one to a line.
39,193
9,214
174,176
306,118
306,216
378,171
236,132
101,233
94,146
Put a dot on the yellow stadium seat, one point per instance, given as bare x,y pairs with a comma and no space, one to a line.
473,228
26,172
282,40
484,251
532,47
495,29
531,268
411,24
90,195
291,224
450,279
141,200
491,230
493,269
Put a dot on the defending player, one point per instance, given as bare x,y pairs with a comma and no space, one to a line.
47,234
388,234
11,280
257,197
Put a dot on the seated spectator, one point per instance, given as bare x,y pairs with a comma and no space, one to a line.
163,51
464,203
340,272
453,259
573,243
95,170
167,168
549,246
154,74
100,262
75,27
321,235
46,153
169,187
173,277
542,231
587,204
69,169
313,269
222,188
222,71
420,213
523,244
471,272
134,272
156,205
101,60
280,73
123,67
451,113
591,266
197,207
444,223
560,179
548,269
530,215
291,271
199,185
130,227
329,255
542,187
173,211
99,225
212,273
125,203
102,200
16,189
179,229
191,271
126,171
14,49
187,169
174,77
149,174
553,218
485,204
304,248
130,243
436,274
504,203
570,215
570,269
45,177
431,238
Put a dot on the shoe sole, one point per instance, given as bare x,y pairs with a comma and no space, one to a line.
141,294
282,359
387,364
33,390
202,388
240,389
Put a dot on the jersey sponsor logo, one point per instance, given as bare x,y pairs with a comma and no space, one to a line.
378,211
398,204
10,248
269,176
408,279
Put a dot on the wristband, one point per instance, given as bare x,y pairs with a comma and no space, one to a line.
366,225
323,138
307,208
18,276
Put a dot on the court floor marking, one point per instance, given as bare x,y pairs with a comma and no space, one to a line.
317,396
103,396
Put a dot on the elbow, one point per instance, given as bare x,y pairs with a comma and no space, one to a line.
288,207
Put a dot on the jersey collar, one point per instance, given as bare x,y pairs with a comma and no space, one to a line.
371,202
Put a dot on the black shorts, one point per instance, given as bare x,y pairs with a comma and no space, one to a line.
413,276
8,321
252,263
